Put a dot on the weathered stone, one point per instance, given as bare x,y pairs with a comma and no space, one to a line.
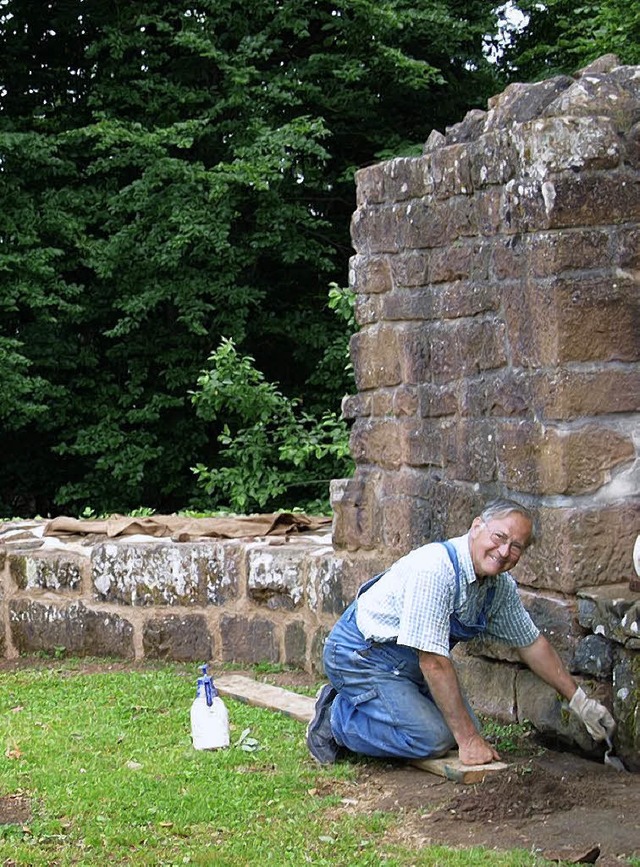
556,144
593,657
374,229
626,700
276,575
377,441
611,611
382,402
489,686
581,547
504,393
593,199
295,644
46,571
437,400
406,523
410,268
563,320
539,704
493,159
183,639
460,261
370,274
610,93
451,171
468,129
317,648
470,450
248,639
519,103
567,394
40,626
356,510
535,458
555,618
375,356
453,301
465,348
355,405
553,253
367,309
160,573
325,592
405,401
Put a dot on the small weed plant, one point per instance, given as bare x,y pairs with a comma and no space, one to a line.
105,762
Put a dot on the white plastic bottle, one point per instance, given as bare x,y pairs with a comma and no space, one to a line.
209,717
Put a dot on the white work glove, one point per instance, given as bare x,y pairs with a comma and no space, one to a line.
596,718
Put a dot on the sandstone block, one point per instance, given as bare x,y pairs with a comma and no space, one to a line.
554,144
611,611
42,626
451,171
470,450
593,657
504,392
248,639
317,648
183,639
553,253
367,309
410,268
578,319
160,573
325,591
626,700
437,400
519,102
375,356
382,402
535,458
295,644
593,199
423,224
355,405
46,570
493,159
374,229
356,511
556,618
489,686
370,274
377,441
406,524
276,575
460,349
567,394
610,93
581,547
468,129
541,705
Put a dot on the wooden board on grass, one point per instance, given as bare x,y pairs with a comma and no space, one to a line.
451,767
300,707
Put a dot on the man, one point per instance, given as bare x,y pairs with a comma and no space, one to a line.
393,688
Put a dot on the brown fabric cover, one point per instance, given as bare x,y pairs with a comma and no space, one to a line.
185,529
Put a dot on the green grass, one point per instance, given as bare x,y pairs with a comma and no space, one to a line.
107,764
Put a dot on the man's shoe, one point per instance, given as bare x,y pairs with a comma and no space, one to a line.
322,745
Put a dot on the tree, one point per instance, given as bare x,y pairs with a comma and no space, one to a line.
178,173
561,37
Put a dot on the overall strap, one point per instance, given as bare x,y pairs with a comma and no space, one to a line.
453,556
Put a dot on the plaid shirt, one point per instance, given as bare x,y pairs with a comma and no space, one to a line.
414,599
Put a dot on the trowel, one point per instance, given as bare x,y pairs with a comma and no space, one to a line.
610,759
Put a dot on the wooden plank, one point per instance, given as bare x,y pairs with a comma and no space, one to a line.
245,689
451,767
302,708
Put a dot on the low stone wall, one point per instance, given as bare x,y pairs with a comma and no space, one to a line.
274,600
267,600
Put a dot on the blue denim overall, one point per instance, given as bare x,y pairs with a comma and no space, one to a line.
384,707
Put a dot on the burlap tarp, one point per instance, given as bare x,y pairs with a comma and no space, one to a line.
181,529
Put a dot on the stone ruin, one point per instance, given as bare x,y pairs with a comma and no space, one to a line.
497,282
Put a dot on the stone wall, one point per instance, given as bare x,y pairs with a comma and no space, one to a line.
497,287
264,600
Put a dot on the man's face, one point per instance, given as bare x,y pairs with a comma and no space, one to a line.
497,545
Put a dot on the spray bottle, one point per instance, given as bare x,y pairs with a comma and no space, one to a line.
209,718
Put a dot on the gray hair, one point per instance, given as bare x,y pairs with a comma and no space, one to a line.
502,506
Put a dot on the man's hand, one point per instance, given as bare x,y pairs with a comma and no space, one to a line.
596,718
476,751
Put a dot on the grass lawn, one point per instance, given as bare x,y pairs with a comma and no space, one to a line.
106,763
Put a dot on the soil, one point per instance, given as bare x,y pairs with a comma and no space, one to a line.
563,806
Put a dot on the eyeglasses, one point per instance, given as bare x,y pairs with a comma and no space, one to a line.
516,549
